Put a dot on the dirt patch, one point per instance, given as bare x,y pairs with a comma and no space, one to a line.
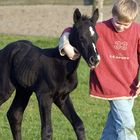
42,20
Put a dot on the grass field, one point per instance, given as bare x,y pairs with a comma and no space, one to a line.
92,111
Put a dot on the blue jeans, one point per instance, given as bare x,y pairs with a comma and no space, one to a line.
120,122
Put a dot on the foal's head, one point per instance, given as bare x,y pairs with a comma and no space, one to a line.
83,37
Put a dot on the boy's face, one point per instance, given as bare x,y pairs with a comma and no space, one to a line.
120,26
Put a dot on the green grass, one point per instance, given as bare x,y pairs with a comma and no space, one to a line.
92,111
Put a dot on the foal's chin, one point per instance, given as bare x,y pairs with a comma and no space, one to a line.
94,66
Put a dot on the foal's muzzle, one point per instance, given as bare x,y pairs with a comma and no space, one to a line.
94,61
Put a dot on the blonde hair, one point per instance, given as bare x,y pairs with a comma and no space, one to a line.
125,10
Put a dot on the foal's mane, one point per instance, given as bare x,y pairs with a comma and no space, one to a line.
85,17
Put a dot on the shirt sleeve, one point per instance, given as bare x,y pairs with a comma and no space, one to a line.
68,29
63,41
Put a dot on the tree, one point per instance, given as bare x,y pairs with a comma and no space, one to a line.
98,4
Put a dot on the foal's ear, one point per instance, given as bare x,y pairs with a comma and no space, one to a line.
76,15
95,16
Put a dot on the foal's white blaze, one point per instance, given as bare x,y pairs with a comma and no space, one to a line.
91,31
98,56
95,50
94,47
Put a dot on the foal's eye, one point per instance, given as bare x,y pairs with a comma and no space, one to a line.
83,41
82,38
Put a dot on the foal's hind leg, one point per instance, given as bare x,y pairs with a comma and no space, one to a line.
4,97
5,93
66,106
15,113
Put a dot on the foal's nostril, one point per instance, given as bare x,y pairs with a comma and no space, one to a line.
94,60
91,59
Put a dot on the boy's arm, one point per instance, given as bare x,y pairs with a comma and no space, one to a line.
65,48
138,88
138,85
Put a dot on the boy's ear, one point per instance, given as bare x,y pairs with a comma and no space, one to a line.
95,16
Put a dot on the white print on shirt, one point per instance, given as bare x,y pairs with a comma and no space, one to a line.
119,57
118,45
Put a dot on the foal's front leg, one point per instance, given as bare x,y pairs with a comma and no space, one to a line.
45,104
66,106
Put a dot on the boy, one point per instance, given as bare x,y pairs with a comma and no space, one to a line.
116,77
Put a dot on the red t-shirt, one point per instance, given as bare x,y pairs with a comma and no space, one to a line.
116,76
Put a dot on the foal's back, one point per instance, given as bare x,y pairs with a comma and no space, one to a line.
26,65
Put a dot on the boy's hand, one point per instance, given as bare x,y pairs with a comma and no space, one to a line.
138,89
71,52
65,47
